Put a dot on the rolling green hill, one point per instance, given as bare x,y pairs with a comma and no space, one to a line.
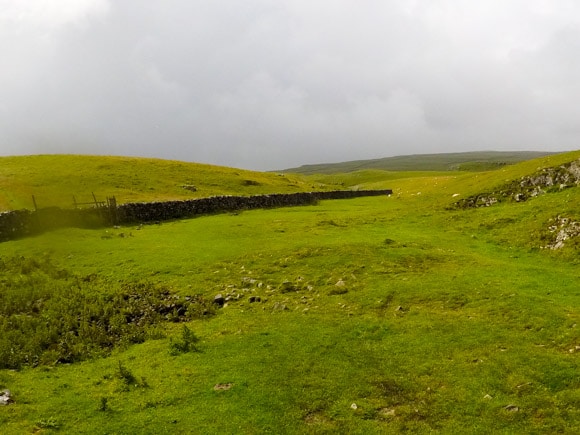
467,161
55,179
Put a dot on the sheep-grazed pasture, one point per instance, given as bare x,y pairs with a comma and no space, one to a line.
367,315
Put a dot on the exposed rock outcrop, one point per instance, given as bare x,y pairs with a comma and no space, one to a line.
545,180
561,230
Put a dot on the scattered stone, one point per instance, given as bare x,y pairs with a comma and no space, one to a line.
387,412
340,283
487,397
279,307
5,397
223,387
287,287
219,300
562,229
354,406
512,408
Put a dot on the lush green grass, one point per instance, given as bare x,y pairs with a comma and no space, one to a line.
55,179
376,315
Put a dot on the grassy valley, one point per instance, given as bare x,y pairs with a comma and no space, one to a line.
369,315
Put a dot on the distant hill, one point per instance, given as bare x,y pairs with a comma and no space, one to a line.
467,161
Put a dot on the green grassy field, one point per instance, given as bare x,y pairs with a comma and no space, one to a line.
371,315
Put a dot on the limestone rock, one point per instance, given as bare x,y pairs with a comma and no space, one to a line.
5,397
219,300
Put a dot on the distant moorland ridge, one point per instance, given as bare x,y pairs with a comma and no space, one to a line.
466,161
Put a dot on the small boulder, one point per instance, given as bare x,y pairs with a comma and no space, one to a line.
279,307
288,287
387,412
223,387
5,397
219,300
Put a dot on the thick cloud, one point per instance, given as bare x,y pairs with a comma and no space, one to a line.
266,84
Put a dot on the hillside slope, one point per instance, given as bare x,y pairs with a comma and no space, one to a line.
55,179
443,184
468,161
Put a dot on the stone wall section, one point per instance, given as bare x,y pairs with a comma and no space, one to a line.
22,223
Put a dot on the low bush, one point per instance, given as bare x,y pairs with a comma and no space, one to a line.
49,316
188,342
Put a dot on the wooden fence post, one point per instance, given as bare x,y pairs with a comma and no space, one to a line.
112,205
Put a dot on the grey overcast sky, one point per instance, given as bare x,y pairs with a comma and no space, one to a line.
271,84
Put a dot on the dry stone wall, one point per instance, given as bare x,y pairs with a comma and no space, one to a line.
160,211
22,223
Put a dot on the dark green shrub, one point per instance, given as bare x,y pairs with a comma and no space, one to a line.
104,404
49,316
188,342
126,375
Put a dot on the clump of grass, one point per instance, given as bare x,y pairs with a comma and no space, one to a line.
104,404
187,343
48,423
128,379
125,375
